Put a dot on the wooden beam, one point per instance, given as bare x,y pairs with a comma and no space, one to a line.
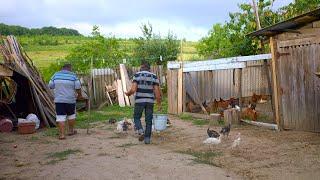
276,95
261,124
216,64
125,82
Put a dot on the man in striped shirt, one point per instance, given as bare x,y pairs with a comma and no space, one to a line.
66,87
146,86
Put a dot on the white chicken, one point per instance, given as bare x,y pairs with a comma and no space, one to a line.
236,142
212,140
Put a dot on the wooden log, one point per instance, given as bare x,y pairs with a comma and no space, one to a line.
231,116
215,117
261,124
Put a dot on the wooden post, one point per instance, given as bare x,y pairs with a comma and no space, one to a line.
231,116
240,92
180,89
276,94
89,90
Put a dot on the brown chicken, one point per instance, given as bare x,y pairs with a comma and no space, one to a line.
250,113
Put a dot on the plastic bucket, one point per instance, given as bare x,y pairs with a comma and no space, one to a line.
160,121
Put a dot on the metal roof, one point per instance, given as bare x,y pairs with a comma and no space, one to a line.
288,25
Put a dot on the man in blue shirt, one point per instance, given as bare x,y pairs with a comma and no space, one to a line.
146,86
66,87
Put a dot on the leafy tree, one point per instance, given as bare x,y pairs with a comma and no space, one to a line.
151,46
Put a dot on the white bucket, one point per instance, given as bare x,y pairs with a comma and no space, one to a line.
160,121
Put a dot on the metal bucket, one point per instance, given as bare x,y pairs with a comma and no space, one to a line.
160,121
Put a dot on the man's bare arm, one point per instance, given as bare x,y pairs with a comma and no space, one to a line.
157,93
133,89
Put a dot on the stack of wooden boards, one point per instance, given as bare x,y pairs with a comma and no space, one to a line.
123,85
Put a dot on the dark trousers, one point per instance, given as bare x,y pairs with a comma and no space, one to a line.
148,110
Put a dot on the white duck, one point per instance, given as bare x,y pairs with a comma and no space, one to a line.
236,142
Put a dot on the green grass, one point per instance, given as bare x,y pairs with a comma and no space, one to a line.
203,157
51,132
60,156
198,122
34,138
104,114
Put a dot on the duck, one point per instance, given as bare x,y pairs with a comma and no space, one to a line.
212,133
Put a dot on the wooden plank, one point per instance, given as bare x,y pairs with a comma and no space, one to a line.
316,50
195,68
295,87
275,81
175,92
261,124
298,42
125,82
180,91
4,71
120,94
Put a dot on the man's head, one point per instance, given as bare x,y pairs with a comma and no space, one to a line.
145,66
67,67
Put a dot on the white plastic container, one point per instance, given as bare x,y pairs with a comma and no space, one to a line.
160,121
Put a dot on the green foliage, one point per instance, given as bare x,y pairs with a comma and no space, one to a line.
151,46
19,30
231,38
298,7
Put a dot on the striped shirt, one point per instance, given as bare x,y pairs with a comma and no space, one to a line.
145,80
64,84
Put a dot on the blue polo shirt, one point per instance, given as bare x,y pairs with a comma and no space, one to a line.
64,84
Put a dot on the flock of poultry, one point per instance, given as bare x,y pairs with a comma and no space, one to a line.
218,106
215,137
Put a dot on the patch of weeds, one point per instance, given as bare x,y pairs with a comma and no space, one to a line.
60,156
127,145
51,132
34,138
6,140
263,118
200,122
203,157
186,117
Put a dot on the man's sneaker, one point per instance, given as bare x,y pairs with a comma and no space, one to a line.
147,140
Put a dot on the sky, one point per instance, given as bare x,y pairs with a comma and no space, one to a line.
190,19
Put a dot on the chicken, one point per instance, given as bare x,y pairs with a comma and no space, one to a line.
212,140
226,130
236,142
233,102
124,125
212,133
259,98
250,113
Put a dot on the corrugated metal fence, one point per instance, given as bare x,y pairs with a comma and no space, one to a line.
212,85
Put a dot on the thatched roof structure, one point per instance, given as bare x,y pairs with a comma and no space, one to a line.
32,93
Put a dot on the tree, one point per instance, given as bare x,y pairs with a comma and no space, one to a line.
151,46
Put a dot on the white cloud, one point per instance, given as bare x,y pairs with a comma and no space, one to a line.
132,28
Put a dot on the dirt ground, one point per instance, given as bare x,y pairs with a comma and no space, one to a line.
173,154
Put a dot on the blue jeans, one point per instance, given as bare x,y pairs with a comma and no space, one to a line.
148,110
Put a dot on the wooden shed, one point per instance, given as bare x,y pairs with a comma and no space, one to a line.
295,49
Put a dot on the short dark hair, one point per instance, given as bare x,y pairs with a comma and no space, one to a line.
67,66
145,66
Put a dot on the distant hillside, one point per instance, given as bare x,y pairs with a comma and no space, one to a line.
19,31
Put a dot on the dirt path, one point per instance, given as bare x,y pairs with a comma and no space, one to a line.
101,155
177,153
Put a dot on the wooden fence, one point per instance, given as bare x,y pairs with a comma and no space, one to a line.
106,77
